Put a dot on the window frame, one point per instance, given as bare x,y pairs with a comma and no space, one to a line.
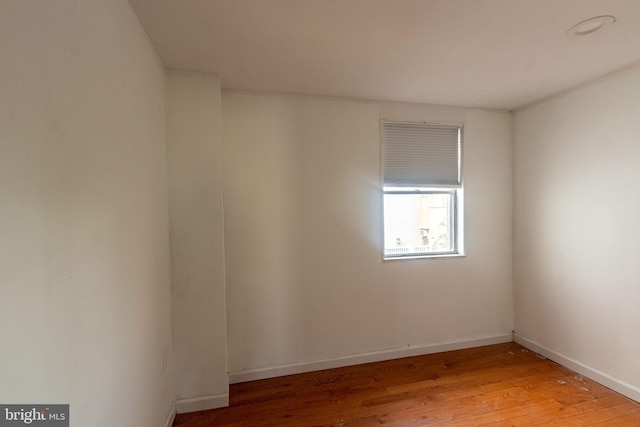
456,208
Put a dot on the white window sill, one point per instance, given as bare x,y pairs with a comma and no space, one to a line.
434,256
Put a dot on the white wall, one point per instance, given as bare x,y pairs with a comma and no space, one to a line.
197,234
577,235
84,246
305,276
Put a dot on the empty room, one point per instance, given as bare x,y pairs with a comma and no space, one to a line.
319,212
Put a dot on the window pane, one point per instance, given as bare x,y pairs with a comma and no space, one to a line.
418,224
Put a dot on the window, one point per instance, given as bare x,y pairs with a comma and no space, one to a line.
422,189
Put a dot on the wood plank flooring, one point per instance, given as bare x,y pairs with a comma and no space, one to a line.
498,385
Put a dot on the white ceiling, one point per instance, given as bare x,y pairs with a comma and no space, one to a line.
483,53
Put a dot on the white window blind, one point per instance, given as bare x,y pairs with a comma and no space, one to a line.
421,155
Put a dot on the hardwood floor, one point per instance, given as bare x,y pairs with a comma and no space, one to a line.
498,385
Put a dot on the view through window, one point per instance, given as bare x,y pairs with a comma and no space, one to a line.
418,222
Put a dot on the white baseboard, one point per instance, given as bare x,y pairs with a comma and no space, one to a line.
606,380
356,359
202,403
168,422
